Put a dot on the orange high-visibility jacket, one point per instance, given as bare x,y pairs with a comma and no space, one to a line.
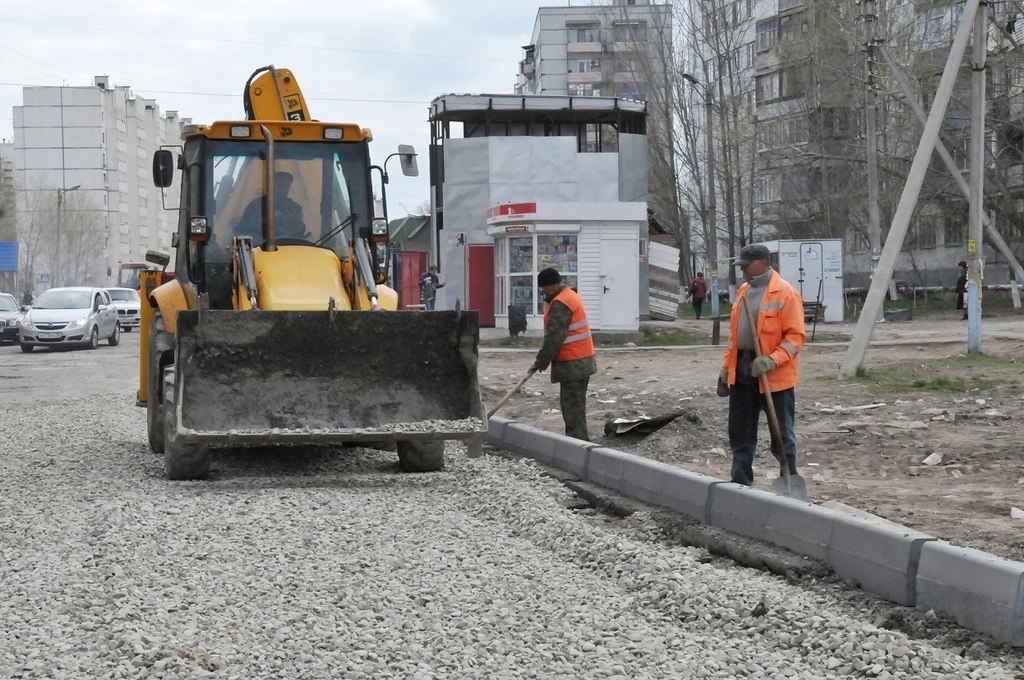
780,330
578,343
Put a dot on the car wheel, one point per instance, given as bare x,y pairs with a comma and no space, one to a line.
115,337
94,338
421,456
181,460
159,344
27,348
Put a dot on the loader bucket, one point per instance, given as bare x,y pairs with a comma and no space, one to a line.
288,377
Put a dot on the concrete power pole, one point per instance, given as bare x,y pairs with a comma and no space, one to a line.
871,133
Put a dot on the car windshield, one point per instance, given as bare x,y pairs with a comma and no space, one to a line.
123,295
63,299
8,304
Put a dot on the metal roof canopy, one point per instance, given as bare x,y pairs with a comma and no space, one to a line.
627,115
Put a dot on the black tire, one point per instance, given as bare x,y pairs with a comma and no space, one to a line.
181,461
127,329
115,337
27,348
159,343
94,338
421,456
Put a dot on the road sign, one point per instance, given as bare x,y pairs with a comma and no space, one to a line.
44,278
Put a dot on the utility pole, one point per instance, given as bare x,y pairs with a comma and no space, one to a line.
975,268
871,133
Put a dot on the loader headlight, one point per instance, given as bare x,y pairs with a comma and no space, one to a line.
241,131
197,229
334,133
379,226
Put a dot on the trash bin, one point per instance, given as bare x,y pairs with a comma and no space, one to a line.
516,319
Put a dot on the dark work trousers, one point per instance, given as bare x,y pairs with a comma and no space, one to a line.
746,403
572,398
697,304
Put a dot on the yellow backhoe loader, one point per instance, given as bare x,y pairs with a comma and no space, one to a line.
276,327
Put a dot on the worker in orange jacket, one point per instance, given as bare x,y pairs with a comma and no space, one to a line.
779,315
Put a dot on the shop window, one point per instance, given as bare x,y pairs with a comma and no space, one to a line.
527,255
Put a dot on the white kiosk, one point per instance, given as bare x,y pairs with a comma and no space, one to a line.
815,268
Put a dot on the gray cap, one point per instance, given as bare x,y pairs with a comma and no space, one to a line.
754,251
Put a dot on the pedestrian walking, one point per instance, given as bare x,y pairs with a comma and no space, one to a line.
698,291
429,283
568,348
779,329
961,286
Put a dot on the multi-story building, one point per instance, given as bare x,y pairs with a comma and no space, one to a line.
82,158
795,72
622,48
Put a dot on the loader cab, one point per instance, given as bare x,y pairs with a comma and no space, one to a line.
225,194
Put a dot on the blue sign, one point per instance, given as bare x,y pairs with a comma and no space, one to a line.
8,256
44,278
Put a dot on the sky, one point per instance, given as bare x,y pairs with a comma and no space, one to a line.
378,63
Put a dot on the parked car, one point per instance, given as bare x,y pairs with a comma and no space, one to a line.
128,305
10,318
70,317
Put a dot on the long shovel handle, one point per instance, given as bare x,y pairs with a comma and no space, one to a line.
773,419
518,385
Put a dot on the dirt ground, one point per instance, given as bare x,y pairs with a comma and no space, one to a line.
861,448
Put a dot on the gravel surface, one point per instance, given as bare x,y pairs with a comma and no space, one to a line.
332,564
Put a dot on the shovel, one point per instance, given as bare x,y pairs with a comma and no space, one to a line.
516,388
788,484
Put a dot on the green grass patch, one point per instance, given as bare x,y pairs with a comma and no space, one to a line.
956,374
664,336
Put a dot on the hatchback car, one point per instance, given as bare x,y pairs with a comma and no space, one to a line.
10,318
70,317
127,303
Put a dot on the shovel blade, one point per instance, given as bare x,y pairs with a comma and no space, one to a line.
792,486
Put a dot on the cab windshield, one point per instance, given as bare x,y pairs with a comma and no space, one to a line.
321,192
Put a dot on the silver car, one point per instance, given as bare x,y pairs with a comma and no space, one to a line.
10,318
70,317
128,305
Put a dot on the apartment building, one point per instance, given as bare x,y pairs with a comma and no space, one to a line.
620,48
83,158
793,74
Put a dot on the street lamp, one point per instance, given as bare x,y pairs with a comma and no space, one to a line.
60,211
710,207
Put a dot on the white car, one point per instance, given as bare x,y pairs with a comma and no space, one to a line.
69,317
128,305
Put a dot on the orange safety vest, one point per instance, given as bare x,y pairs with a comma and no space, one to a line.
780,330
578,343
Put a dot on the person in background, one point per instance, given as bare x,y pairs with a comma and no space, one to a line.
779,317
568,348
698,291
961,286
429,283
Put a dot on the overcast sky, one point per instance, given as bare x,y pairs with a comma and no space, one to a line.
377,63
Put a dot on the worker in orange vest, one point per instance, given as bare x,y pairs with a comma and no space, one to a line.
568,348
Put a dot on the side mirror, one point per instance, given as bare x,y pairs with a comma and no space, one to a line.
163,168
407,157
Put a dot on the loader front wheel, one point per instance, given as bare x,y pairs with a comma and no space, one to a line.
421,456
159,343
181,460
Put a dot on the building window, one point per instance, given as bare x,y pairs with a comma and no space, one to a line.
767,87
767,33
598,138
584,90
588,66
630,32
527,255
584,35
765,190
